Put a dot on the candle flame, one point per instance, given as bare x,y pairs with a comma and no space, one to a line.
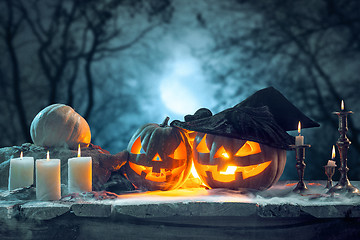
21,155
299,128
342,105
333,152
225,155
79,151
48,156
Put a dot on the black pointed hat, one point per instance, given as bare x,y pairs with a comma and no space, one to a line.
253,119
284,112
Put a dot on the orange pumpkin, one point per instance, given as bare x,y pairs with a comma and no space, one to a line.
159,157
223,162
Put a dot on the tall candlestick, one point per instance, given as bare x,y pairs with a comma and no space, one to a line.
343,144
21,172
299,140
300,166
80,173
48,179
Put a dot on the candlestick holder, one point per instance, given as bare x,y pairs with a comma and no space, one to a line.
329,171
300,166
343,143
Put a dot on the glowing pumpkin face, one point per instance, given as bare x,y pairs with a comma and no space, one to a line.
160,157
223,162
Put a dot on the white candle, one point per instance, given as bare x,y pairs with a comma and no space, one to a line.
299,140
48,179
80,173
21,172
332,162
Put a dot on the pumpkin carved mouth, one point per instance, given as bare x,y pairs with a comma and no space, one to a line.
160,176
233,172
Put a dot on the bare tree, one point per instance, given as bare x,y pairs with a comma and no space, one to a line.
307,49
10,23
67,40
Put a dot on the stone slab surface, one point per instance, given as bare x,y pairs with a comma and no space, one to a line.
9,209
87,209
277,202
43,210
202,209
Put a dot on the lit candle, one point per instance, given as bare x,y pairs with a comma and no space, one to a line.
80,173
331,162
48,179
299,140
342,105
21,172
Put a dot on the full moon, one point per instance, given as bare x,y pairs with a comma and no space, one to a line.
178,98
180,88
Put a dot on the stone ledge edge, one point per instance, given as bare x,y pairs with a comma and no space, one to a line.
50,210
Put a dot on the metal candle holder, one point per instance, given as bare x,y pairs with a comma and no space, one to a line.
329,171
343,143
300,166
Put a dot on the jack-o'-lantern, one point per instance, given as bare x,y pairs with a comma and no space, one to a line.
223,162
244,146
159,157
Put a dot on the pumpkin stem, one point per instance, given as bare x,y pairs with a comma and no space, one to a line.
165,122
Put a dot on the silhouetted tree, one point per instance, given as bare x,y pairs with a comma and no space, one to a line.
53,47
307,49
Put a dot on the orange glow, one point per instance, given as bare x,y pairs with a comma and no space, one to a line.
180,152
311,184
157,158
221,153
184,195
136,147
230,173
79,151
249,148
229,170
21,155
333,152
299,128
342,105
153,176
47,156
137,168
194,172
202,147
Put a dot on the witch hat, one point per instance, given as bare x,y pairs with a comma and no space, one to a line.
251,120
284,112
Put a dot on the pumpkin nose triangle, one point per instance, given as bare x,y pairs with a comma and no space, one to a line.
157,158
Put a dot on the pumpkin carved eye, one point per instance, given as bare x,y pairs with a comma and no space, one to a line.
137,147
221,153
249,148
180,152
202,147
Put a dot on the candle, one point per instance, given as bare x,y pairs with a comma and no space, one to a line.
342,105
80,173
331,162
21,172
48,179
299,140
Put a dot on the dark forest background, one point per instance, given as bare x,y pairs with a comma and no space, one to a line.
124,63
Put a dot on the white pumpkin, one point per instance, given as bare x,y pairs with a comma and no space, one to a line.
59,125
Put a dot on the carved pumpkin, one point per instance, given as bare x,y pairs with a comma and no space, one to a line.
60,125
223,162
159,157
